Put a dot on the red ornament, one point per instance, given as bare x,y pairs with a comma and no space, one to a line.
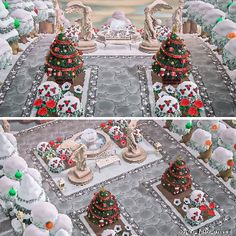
43,111
69,60
198,103
56,49
183,61
162,73
184,102
38,103
171,49
59,74
51,104
173,73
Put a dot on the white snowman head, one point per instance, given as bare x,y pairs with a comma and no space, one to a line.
6,148
89,136
33,230
223,156
224,27
228,139
202,138
69,106
14,164
194,214
49,90
167,106
63,222
43,147
44,215
189,90
197,197
62,232
108,232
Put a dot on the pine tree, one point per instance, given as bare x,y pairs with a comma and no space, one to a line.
63,62
177,178
172,62
103,209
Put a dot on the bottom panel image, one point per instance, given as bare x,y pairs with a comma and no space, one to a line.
117,177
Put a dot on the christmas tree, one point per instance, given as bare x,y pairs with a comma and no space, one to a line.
103,209
177,178
63,62
172,62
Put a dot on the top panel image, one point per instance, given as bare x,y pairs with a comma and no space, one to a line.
127,58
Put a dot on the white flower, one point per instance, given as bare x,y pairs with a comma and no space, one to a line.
66,86
177,201
125,234
185,208
157,86
68,94
186,201
128,227
78,89
170,89
162,94
118,228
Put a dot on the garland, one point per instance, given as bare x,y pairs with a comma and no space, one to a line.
176,185
99,217
65,56
176,42
175,56
173,68
179,177
105,198
62,42
104,209
63,69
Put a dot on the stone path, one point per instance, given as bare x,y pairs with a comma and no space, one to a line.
146,212
218,92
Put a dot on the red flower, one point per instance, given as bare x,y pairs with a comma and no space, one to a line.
57,145
212,205
51,104
117,137
43,111
211,213
63,157
123,142
203,208
184,102
70,162
51,143
36,10
59,139
192,111
198,103
38,102
102,125
110,122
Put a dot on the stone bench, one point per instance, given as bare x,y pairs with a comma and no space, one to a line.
107,161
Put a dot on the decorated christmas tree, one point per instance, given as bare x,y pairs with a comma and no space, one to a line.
172,62
63,62
177,178
103,209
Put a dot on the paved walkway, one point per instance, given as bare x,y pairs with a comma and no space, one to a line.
146,212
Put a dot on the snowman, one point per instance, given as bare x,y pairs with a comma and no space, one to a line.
167,106
69,106
220,31
222,160
6,148
211,18
222,4
215,127
47,221
29,193
194,216
201,141
229,54
197,198
227,139
108,232
5,54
